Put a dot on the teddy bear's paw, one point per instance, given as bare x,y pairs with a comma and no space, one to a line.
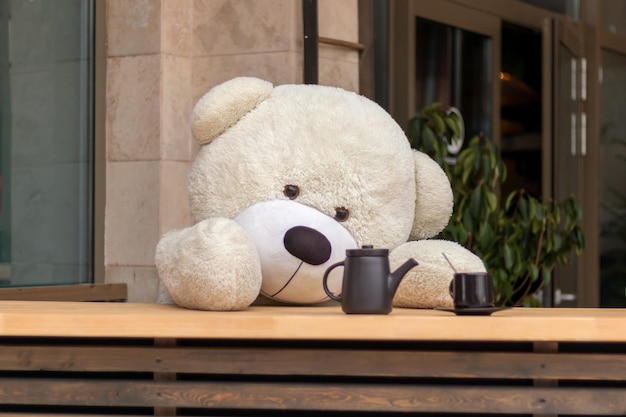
210,266
428,284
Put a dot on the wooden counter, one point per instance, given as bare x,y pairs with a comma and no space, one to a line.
61,319
145,359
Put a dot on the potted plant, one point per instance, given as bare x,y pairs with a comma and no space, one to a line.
519,237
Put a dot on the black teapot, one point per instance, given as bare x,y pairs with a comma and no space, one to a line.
368,285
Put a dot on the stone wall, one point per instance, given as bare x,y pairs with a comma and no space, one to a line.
162,56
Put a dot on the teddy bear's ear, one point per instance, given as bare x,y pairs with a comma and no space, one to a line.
434,199
225,104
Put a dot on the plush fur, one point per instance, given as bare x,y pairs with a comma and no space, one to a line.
277,166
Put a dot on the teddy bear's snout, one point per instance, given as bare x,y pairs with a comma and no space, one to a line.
308,245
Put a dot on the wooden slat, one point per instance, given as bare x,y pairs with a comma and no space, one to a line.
26,414
76,292
330,362
136,320
545,347
312,396
164,377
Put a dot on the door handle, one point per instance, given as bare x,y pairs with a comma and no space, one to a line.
583,134
573,134
559,297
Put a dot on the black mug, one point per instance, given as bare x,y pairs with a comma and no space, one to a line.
472,290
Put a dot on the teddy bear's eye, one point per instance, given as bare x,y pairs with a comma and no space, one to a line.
291,191
342,214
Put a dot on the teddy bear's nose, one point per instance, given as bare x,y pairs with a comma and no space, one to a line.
307,244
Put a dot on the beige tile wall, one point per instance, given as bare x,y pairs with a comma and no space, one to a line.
162,56
339,66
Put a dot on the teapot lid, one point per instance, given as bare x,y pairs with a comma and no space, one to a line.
367,250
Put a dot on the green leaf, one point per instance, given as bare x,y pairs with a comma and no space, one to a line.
477,161
579,239
428,139
492,200
534,272
463,236
467,171
415,132
523,208
477,202
485,237
486,169
539,212
509,201
453,123
508,256
556,212
532,208
438,122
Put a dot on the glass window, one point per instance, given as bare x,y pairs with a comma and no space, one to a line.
570,8
453,66
613,16
521,108
612,184
45,142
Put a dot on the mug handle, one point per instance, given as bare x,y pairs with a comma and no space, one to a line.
451,289
325,280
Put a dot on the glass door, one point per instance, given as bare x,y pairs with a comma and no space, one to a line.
570,132
548,82
449,54
612,211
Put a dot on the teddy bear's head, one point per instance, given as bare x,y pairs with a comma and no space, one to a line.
309,171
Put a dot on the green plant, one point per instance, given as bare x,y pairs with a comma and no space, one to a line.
519,237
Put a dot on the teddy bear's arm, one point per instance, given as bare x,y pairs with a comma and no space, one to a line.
427,285
212,265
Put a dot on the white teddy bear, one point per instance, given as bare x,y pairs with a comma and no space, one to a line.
289,177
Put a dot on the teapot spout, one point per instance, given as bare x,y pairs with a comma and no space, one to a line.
396,276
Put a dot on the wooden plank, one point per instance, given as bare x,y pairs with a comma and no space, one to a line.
27,414
76,292
55,414
67,319
315,396
546,347
164,377
168,361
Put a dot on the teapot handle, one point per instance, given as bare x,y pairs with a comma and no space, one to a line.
325,280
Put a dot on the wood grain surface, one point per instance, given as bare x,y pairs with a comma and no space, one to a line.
80,319
388,397
165,362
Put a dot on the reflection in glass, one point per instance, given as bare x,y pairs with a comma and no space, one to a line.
521,109
565,159
612,183
454,67
570,8
613,16
45,137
